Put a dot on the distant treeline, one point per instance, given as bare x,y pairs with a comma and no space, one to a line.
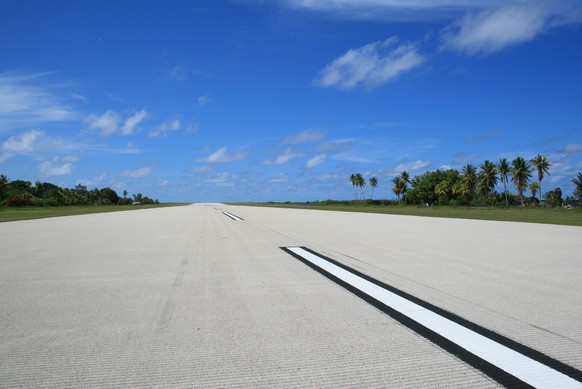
20,193
474,186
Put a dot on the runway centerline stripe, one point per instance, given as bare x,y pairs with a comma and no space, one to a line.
502,362
232,216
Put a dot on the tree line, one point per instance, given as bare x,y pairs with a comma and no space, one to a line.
475,186
20,193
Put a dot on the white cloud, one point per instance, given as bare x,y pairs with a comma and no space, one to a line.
222,155
328,177
371,65
494,30
108,123
138,173
162,182
95,181
283,158
28,98
412,166
164,128
23,143
308,135
391,9
57,166
315,161
573,148
131,122
27,142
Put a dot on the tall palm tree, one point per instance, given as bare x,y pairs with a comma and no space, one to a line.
373,183
404,181
578,182
520,175
468,181
360,182
542,164
353,182
504,170
487,177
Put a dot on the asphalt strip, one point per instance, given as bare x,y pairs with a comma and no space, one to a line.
504,360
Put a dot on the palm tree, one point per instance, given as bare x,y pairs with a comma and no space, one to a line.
487,177
443,188
468,181
578,182
3,186
405,180
353,182
520,175
504,170
533,188
398,187
373,183
360,182
542,164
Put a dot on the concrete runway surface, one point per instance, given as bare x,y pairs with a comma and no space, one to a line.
189,297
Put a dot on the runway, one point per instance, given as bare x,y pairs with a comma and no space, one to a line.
203,296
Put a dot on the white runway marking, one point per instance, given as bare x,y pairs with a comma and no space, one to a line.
518,365
232,216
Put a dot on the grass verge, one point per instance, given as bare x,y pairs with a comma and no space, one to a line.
561,216
8,214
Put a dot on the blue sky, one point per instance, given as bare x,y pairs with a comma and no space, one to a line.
284,99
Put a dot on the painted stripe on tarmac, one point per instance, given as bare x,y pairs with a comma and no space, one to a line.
506,361
232,216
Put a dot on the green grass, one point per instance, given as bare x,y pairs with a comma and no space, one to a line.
8,214
562,216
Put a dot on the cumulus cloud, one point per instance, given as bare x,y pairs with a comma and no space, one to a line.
108,123
24,143
304,136
493,30
371,65
57,166
164,128
315,161
138,173
131,122
222,155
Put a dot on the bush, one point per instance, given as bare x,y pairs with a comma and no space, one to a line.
17,201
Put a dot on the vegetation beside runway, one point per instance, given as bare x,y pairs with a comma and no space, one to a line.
26,213
562,216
